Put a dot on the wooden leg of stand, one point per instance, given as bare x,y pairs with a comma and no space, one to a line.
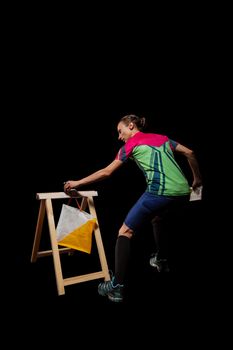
99,242
39,226
55,250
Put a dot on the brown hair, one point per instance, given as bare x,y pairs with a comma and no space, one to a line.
132,118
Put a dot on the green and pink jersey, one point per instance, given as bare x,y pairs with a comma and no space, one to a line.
153,153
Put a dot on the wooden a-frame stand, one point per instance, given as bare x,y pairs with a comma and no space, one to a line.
46,205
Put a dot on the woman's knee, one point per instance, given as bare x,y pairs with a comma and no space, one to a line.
125,231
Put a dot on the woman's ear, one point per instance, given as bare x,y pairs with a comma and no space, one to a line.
131,126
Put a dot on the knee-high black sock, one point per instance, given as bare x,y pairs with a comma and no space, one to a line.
122,254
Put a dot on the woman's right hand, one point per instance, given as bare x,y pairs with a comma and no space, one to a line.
69,184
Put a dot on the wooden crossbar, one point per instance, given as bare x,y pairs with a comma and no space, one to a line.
46,207
57,195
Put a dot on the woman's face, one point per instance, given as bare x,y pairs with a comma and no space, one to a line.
124,131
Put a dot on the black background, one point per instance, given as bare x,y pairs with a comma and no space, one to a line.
70,94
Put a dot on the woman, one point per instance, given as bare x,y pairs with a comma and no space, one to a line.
167,188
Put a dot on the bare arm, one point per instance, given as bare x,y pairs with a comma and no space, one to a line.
193,163
96,176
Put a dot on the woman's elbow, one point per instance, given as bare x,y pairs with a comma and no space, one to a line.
191,154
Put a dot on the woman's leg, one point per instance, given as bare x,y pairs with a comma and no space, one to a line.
122,253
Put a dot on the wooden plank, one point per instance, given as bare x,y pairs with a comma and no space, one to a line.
37,237
99,242
55,249
57,195
83,278
50,252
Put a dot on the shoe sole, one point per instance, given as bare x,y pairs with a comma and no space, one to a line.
156,267
116,300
